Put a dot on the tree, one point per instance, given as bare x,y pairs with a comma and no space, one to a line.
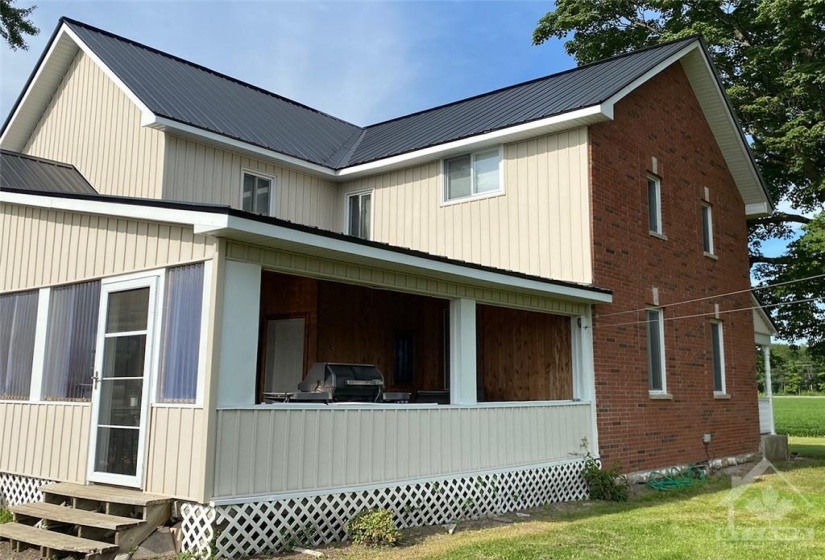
770,55
15,23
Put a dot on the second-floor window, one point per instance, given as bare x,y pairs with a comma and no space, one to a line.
718,355
257,195
471,175
654,204
359,215
707,228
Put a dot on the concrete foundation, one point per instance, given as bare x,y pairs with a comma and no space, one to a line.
775,447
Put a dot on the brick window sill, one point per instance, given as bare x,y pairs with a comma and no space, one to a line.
721,396
661,236
711,256
657,396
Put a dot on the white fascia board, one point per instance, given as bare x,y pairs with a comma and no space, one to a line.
144,110
395,258
35,83
573,119
581,117
763,314
116,209
185,130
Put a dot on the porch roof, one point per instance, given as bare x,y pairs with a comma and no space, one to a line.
229,223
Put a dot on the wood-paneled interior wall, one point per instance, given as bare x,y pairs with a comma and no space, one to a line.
347,323
524,356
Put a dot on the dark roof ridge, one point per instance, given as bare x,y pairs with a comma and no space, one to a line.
66,19
38,159
539,79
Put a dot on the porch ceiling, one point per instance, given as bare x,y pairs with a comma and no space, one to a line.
284,236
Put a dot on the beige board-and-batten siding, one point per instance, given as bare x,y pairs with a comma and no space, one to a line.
176,457
352,273
539,226
44,247
195,172
91,124
266,450
45,440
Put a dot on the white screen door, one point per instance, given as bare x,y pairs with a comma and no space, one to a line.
123,362
284,355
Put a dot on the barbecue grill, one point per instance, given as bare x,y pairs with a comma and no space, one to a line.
335,382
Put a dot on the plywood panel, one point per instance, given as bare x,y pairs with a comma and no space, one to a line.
92,125
175,460
524,356
539,226
44,247
44,440
198,173
269,450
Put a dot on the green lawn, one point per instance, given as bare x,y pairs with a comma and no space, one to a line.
799,416
808,446
684,526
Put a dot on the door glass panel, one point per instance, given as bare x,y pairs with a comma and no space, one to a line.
117,450
128,311
120,402
123,356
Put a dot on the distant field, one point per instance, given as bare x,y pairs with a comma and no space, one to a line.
799,416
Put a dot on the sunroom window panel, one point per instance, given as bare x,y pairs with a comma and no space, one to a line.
486,169
180,345
18,323
70,342
459,180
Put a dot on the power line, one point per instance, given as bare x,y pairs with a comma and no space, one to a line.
718,296
714,313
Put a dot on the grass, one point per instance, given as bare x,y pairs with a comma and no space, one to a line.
800,416
684,525
808,446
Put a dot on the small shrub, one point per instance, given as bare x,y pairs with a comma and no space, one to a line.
374,528
604,484
5,516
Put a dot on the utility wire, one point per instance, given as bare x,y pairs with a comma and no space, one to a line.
599,316
714,313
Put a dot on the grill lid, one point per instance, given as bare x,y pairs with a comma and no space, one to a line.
353,382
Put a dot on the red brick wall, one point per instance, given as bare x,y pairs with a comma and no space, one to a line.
662,119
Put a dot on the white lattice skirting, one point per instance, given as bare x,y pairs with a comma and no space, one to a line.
16,489
239,530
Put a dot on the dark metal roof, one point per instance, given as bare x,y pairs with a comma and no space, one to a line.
188,93
27,173
191,94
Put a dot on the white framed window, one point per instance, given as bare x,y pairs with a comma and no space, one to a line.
707,228
71,336
181,334
18,326
656,351
359,215
654,204
257,193
718,357
473,175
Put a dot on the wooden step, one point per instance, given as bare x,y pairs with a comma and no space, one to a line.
109,494
53,512
53,541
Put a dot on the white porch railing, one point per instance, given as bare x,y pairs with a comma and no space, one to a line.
280,450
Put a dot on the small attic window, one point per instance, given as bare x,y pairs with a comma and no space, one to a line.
257,194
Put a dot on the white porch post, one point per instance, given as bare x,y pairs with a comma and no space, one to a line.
587,374
766,354
463,351
237,365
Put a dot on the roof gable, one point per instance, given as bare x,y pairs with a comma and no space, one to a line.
188,99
